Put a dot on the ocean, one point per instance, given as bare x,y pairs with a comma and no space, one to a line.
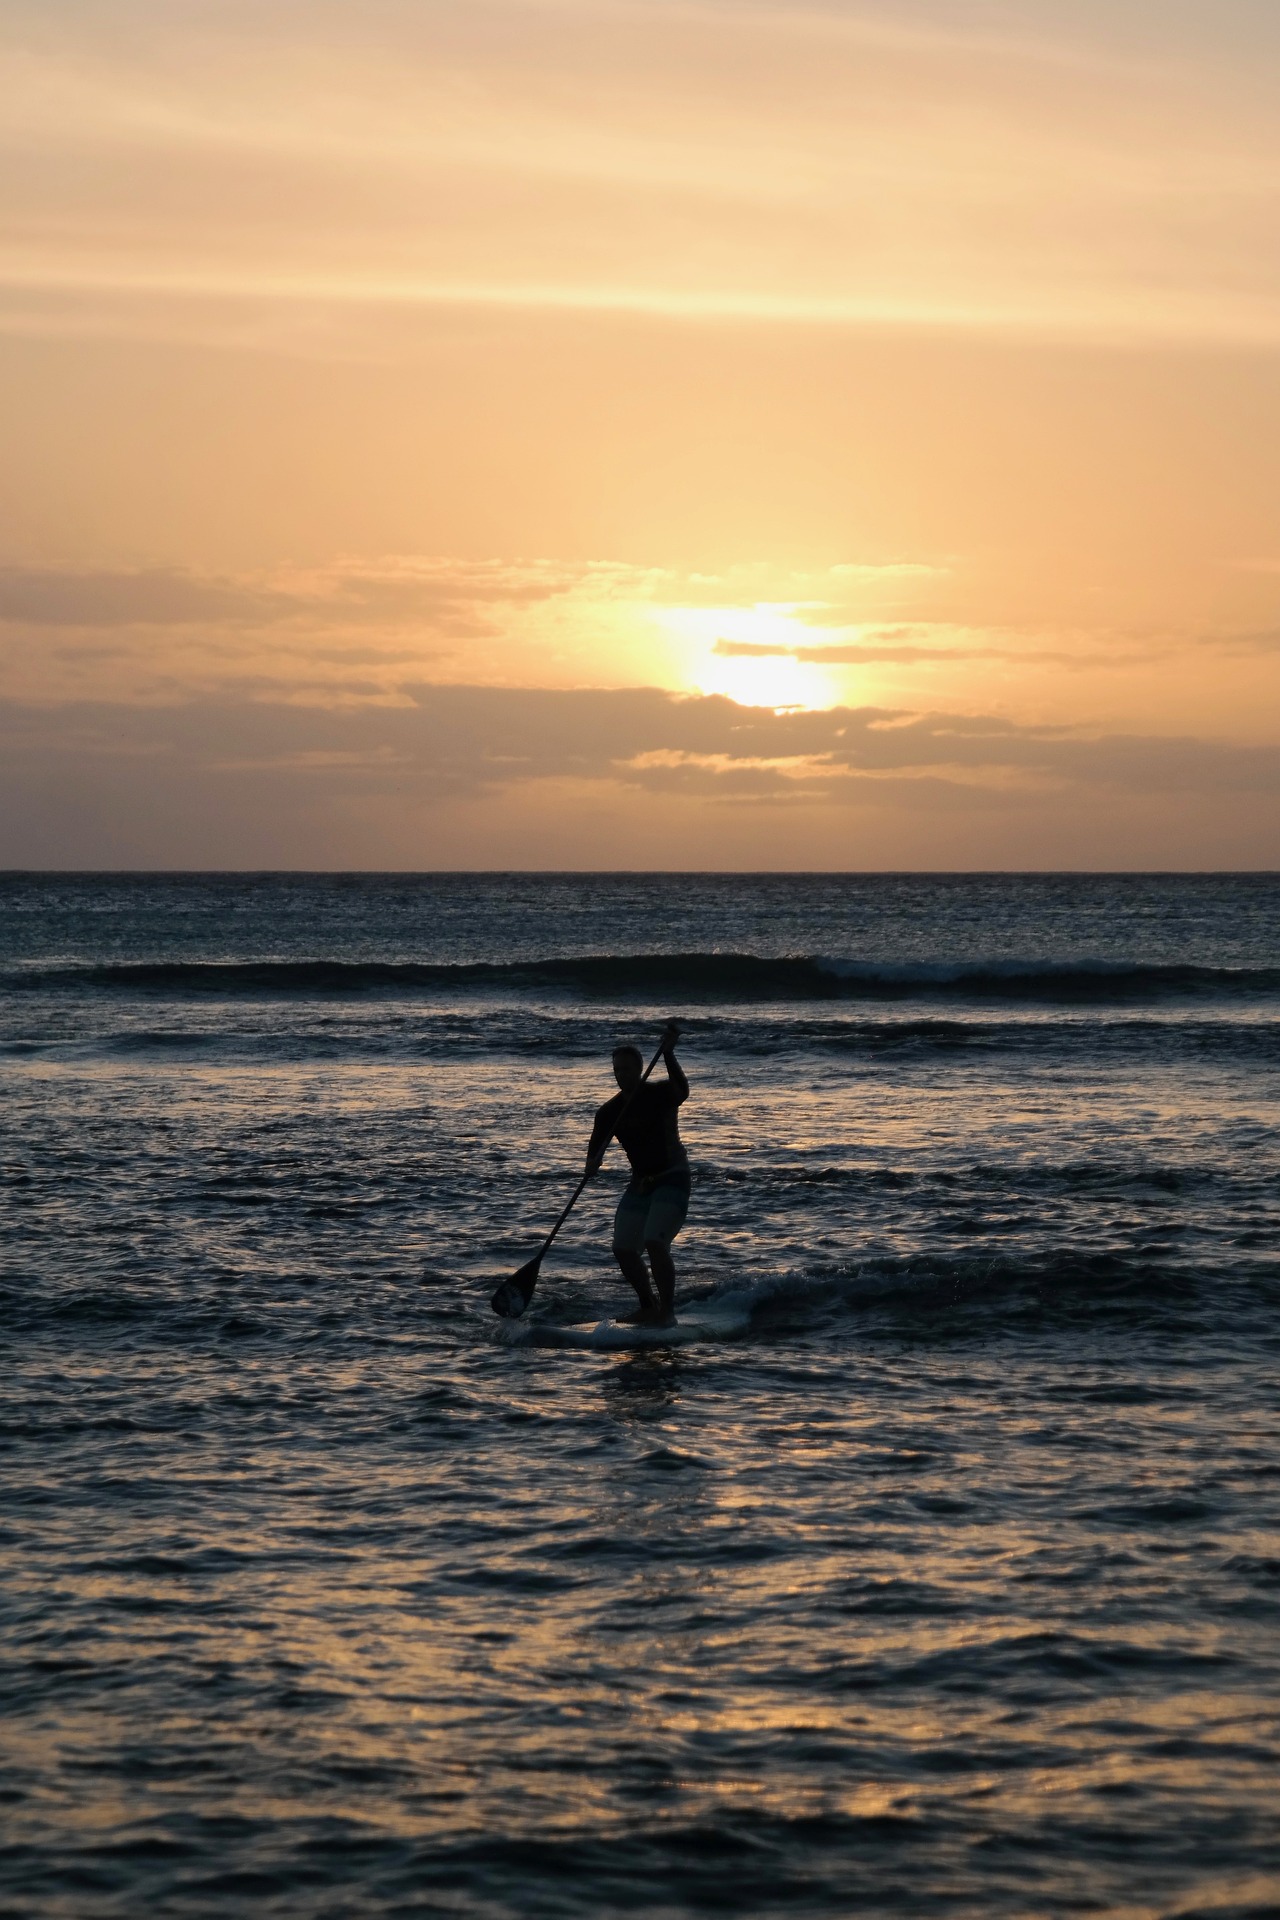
946,1583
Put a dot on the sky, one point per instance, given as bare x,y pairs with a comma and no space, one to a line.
842,434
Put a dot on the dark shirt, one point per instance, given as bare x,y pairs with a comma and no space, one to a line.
648,1132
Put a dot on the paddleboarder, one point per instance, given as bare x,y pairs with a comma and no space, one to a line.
644,1117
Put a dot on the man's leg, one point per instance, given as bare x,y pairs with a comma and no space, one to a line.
666,1216
637,1273
664,1276
628,1238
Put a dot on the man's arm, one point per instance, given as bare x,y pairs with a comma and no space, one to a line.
675,1072
601,1135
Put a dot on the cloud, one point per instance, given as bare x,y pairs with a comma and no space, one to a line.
49,597
454,594
160,634
890,649
1263,640
469,738
446,594
156,633
468,775
856,654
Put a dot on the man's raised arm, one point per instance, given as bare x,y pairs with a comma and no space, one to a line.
675,1072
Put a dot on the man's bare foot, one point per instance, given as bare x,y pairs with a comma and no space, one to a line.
650,1316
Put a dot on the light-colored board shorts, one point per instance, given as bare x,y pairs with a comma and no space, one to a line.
643,1218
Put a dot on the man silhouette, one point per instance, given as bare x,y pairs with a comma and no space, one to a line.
643,1114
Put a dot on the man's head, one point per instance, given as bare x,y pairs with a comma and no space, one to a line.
628,1067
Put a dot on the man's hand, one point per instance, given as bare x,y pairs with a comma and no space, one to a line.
675,1072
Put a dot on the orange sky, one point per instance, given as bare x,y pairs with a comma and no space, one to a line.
577,432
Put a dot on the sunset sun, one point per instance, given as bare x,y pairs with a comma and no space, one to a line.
748,654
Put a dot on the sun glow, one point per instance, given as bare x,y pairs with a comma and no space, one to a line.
772,677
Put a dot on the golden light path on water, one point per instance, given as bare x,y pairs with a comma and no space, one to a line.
941,1579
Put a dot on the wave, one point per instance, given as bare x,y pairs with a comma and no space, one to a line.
950,1295
681,977
303,1031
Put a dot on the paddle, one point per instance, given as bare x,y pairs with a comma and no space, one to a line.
514,1295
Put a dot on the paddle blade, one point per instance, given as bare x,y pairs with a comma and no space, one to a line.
514,1295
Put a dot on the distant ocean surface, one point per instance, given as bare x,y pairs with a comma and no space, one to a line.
949,1585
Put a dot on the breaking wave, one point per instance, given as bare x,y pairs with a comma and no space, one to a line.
686,976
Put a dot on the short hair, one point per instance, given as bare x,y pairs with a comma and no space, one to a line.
629,1053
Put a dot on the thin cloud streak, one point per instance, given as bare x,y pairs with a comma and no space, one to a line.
1185,317
911,653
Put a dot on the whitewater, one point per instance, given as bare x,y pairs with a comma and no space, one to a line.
942,1577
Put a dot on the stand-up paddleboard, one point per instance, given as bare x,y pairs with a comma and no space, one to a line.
707,1320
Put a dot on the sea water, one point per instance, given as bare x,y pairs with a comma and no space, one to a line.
948,1584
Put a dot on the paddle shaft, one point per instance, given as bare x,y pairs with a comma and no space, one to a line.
592,1171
